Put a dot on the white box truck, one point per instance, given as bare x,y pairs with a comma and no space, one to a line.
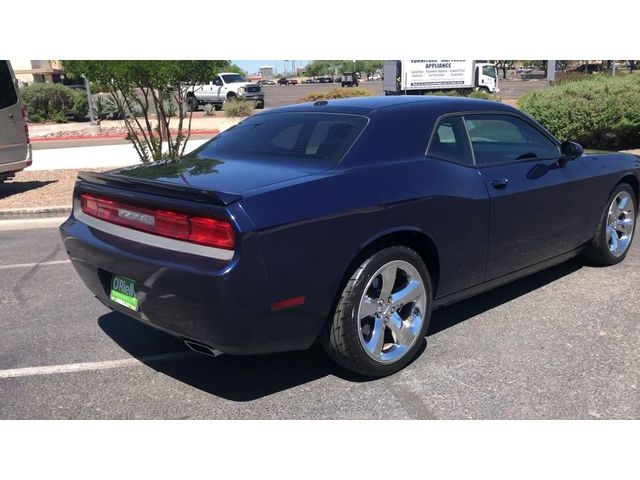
420,77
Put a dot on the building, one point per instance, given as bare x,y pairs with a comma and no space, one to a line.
38,71
266,71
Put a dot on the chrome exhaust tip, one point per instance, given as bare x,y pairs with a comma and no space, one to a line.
202,348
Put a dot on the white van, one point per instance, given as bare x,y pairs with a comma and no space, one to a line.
15,149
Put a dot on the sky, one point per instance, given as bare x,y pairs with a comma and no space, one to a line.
251,66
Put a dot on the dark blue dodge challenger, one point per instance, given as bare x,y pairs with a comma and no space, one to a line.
346,222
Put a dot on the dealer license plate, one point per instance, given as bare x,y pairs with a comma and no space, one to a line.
123,292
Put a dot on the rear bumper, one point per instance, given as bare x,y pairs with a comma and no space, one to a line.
224,304
17,166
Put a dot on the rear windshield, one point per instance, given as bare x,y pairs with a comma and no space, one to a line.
8,94
304,137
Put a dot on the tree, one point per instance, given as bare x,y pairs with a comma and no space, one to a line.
504,65
633,64
330,67
148,89
232,67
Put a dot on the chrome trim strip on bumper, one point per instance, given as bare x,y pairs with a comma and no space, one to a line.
153,240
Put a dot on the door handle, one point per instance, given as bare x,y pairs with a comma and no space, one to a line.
499,183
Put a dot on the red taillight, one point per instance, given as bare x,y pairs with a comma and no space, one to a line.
181,226
26,127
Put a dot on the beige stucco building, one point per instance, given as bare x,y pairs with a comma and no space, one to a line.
39,71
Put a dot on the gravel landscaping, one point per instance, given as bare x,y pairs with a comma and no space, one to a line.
43,188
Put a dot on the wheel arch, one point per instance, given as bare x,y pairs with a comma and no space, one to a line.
632,180
409,237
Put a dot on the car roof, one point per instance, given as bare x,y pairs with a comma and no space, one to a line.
368,105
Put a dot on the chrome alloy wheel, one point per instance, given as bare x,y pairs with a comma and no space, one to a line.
620,223
391,311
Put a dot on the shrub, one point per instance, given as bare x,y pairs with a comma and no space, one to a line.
464,93
599,112
334,93
485,96
562,77
53,101
209,110
170,108
106,107
235,108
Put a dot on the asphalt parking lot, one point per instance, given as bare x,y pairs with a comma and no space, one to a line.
277,96
564,343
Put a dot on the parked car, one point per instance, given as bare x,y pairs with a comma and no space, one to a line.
325,79
266,82
225,86
310,80
287,81
328,221
15,147
375,78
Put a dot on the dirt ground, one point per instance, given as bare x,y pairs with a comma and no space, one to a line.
42,188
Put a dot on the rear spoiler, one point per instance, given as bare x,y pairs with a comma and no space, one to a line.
183,192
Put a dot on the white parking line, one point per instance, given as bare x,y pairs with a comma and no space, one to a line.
29,265
91,366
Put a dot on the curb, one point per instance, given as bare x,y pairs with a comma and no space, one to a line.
34,212
103,136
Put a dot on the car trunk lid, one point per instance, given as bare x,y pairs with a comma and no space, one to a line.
220,180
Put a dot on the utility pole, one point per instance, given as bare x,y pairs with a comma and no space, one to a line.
551,71
87,87
613,68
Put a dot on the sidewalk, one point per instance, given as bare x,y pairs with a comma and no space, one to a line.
106,156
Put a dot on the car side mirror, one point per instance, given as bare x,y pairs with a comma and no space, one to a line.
571,150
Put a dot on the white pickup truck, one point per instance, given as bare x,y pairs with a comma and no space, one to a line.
225,86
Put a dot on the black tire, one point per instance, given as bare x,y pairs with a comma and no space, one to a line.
192,104
217,106
598,251
260,105
340,338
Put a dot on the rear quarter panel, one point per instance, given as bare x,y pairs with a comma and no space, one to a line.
310,233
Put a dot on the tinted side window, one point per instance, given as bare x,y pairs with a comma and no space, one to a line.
504,138
8,94
449,142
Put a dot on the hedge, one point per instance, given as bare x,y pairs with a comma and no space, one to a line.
598,112
53,102
334,93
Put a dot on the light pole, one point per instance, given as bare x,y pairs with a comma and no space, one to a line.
89,102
